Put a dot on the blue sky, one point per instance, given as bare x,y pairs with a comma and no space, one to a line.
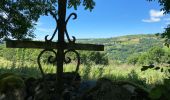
110,18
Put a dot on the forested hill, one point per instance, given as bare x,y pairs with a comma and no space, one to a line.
120,48
117,48
127,38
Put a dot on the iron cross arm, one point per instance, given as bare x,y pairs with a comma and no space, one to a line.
52,45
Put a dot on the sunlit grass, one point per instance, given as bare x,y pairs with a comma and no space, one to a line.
112,71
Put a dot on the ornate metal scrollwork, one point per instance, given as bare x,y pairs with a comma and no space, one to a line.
67,35
68,59
66,32
55,31
48,41
50,60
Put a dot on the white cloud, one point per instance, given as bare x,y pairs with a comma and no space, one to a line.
155,16
155,13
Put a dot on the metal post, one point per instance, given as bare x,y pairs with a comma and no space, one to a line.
60,53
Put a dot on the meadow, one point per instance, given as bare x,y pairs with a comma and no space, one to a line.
115,72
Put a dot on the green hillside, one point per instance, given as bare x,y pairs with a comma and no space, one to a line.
116,48
122,59
120,48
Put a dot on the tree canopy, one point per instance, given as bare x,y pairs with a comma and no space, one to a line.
165,4
18,17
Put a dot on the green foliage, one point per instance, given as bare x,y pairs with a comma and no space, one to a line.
89,4
155,55
91,71
98,58
135,51
122,52
90,67
165,5
121,48
24,56
161,92
94,57
133,75
143,59
18,17
133,59
166,36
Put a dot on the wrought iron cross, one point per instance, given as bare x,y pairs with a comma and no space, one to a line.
61,45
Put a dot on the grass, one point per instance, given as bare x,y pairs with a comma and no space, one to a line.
113,71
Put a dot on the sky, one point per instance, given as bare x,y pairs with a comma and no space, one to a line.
110,18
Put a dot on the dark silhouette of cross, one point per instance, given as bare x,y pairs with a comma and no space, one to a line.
61,45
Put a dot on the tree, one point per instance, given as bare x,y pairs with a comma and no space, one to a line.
166,8
165,5
94,57
166,36
18,17
133,59
98,58
155,54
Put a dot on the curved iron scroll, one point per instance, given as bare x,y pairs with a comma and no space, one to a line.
55,31
66,32
66,22
68,59
50,60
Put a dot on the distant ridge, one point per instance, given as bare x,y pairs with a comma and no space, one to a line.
118,38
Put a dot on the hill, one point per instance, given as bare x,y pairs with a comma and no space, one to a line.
120,48
116,48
